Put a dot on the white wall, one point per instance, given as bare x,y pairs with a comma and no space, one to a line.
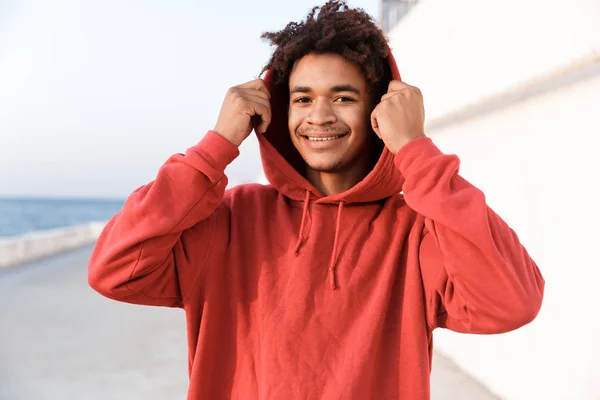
537,161
517,96
464,52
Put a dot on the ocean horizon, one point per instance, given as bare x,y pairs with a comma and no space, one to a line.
25,214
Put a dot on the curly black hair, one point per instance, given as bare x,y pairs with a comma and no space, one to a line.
336,28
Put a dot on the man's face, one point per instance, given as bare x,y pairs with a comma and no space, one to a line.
329,112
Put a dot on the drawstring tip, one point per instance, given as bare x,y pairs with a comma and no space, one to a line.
298,245
302,223
332,279
334,253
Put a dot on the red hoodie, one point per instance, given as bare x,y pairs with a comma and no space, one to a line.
290,294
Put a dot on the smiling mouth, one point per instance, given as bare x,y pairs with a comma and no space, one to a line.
323,138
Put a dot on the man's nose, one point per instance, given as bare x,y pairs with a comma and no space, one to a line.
321,113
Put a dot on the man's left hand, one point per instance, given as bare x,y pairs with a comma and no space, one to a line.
400,116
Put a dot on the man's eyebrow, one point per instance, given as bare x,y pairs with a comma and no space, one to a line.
334,89
300,89
345,88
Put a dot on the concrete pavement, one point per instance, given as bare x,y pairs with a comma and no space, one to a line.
59,340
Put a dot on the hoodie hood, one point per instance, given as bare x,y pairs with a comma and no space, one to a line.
282,162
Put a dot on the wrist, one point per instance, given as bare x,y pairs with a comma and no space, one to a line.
415,153
400,143
227,137
216,150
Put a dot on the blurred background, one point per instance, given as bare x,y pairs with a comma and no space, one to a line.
95,96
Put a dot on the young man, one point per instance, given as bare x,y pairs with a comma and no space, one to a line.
327,283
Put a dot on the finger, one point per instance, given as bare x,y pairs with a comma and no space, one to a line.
255,92
389,95
261,108
374,123
416,90
255,97
263,123
246,102
257,84
396,85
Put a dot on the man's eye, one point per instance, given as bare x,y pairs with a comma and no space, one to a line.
302,100
344,99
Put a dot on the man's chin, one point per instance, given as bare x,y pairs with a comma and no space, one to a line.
324,167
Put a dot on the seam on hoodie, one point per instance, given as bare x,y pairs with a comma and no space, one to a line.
385,174
158,298
135,266
429,300
211,237
186,214
141,291
201,268
464,305
282,172
381,177
207,161
169,232
457,292
195,205
176,303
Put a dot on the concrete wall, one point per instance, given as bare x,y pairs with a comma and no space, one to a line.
538,165
513,88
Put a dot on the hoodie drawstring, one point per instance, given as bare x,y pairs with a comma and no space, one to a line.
335,246
304,214
334,255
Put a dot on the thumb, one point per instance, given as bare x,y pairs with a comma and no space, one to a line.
263,119
262,124
374,123
255,123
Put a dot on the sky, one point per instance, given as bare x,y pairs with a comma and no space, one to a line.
95,96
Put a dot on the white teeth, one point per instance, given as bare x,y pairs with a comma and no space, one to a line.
324,138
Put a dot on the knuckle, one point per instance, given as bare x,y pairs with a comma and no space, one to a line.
397,83
240,102
234,94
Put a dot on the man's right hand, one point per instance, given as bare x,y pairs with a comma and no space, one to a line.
241,104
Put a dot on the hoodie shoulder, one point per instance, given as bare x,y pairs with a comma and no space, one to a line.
249,193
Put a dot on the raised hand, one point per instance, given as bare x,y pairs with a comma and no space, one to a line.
245,107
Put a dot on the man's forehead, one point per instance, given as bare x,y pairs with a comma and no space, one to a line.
325,67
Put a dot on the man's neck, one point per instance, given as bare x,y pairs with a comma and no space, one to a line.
330,183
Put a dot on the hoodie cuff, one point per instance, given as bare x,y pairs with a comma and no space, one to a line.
415,153
215,152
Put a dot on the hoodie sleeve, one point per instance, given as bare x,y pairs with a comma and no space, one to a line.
159,237
477,276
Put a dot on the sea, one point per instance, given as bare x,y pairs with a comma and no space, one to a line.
19,216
